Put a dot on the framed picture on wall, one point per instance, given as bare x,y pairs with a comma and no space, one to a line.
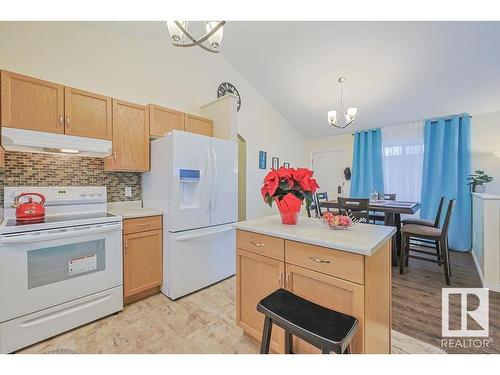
275,162
286,165
262,159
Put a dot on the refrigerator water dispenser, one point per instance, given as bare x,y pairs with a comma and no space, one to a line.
189,180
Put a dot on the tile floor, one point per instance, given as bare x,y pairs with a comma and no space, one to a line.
203,322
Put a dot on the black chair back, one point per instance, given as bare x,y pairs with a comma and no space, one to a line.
446,223
438,213
313,208
321,197
357,207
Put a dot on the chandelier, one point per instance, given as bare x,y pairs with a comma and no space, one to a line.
347,116
209,42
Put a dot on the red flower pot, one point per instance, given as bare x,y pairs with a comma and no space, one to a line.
289,208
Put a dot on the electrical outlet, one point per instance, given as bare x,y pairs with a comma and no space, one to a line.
128,191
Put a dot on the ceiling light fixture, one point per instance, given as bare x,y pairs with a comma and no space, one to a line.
346,115
213,36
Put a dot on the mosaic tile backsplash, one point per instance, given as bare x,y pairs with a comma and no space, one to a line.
66,170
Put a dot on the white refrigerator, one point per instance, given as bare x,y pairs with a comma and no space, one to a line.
194,180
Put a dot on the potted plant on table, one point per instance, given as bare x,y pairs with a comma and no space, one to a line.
289,187
477,181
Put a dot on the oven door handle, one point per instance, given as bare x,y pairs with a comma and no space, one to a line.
66,233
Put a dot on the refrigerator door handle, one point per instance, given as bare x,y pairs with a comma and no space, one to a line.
188,237
208,174
213,200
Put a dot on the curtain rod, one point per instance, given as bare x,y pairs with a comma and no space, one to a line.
432,119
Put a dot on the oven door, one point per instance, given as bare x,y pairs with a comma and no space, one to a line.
45,268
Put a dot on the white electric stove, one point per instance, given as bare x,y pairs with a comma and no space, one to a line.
61,272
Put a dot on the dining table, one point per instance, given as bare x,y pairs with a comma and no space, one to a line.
392,210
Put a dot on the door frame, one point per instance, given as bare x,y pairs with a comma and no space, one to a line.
342,162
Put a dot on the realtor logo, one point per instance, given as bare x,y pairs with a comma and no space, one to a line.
480,315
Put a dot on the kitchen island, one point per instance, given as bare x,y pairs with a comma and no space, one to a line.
346,270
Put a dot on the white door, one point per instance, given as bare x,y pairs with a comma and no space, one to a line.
189,205
224,190
328,171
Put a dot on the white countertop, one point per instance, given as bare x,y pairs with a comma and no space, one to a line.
132,209
363,239
486,196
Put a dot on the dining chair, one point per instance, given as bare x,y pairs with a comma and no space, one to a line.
431,233
321,197
356,207
431,244
380,216
313,208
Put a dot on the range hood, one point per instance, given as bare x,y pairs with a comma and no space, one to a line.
42,142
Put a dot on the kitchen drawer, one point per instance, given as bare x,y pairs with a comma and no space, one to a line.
141,224
336,263
271,247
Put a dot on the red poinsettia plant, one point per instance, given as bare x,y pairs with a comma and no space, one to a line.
289,186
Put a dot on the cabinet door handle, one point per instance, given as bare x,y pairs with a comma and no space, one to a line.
126,243
319,260
143,225
287,279
280,279
61,119
114,155
67,120
257,244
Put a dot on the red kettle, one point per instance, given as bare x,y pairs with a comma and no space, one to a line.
29,210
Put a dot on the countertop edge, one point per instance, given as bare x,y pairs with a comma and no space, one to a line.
320,243
136,215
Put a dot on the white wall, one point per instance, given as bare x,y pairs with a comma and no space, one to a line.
343,143
485,141
147,70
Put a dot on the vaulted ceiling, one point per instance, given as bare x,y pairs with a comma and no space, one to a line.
396,71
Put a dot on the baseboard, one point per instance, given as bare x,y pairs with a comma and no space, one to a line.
493,287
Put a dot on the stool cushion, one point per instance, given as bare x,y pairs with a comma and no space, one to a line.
427,223
421,230
296,314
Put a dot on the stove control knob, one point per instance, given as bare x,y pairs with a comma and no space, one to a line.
91,193
83,194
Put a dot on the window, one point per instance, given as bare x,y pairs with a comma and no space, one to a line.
402,159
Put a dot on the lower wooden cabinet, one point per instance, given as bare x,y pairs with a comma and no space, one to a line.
142,263
337,294
368,299
257,276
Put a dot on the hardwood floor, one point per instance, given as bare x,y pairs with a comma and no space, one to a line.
416,302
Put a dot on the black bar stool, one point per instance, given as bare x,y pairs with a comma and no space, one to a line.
326,329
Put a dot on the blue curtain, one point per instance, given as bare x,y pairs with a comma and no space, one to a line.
367,172
447,163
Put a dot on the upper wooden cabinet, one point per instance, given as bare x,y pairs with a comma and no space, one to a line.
163,120
87,114
130,138
30,103
198,125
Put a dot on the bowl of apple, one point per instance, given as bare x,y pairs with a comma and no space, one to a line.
338,221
